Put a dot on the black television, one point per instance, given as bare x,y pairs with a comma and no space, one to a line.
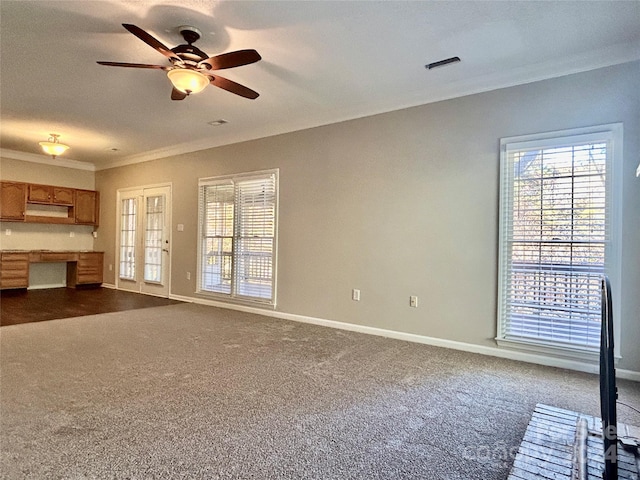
608,388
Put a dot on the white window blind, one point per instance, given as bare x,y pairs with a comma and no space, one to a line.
238,236
555,239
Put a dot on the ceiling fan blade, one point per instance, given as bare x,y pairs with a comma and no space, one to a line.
177,94
133,65
233,59
151,41
233,87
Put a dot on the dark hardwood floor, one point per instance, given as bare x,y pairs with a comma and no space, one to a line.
24,306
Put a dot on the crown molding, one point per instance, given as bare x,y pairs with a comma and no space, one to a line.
46,160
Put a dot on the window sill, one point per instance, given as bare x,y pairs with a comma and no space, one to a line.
221,298
583,354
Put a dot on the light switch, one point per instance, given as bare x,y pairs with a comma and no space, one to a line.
181,227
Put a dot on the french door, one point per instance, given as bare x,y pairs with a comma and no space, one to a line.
144,229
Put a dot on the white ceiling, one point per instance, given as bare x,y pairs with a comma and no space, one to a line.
323,62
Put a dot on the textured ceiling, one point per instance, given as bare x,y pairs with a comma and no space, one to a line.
323,62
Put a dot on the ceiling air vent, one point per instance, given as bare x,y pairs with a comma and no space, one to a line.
442,63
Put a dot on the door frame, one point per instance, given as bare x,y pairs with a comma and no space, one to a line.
120,193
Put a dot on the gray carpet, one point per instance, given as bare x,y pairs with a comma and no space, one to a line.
188,391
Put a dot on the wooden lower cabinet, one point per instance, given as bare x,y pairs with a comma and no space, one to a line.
83,268
14,270
87,270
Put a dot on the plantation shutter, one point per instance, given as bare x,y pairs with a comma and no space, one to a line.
555,233
238,232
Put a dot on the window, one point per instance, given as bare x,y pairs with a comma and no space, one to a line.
558,236
238,236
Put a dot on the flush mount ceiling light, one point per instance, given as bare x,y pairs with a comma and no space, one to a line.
188,81
53,146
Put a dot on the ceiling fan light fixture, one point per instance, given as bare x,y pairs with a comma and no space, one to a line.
188,81
53,146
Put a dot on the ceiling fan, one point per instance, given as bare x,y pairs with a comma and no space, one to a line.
191,69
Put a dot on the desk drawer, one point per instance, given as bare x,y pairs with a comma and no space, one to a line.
18,282
89,267
20,257
14,270
55,257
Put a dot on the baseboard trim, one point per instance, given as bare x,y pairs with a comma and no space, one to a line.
628,374
411,337
44,286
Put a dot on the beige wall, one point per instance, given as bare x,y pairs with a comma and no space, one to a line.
35,236
400,204
31,172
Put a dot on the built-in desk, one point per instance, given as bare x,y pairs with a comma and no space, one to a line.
83,267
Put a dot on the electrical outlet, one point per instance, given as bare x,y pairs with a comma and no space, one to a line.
413,301
188,275
7,232
355,295
72,234
111,267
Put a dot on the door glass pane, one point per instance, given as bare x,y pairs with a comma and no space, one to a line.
128,239
154,227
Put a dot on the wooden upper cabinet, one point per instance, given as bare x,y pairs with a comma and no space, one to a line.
87,207
82,206
39,193
48,194
62,196
12,200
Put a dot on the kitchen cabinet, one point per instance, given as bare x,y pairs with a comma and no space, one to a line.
83,268
12,201
50,195
14,270
87,270
87,207
35,203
